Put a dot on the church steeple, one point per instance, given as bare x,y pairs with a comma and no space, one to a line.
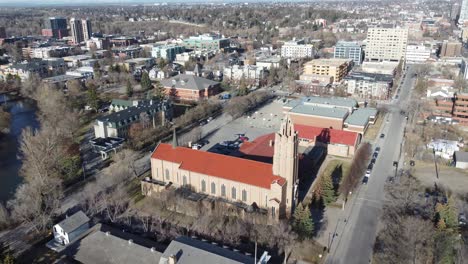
285,160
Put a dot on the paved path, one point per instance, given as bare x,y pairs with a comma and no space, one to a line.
355,228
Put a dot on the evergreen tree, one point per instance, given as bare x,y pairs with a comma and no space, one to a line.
93,99
159,91
129,88
145,82
328,190
303,224
448,213
97,70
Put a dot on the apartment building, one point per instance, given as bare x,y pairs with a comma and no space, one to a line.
206,42
80,30
463,12
386,43
450,48
460,108
417,54
247,72
337,68
297,50
167,52
369,85
349,50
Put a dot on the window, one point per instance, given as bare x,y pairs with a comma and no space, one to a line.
203,186
273,211
184,180
244,195
223,190
167,174
213,188
233,193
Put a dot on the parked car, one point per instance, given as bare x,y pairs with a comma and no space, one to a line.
462,219
209,119
197,146
243,138
202,123
375,155
377,149
365,180
368,173
382,135
372,161
370,167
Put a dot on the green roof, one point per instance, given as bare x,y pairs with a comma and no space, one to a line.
361,116
120,102
331,112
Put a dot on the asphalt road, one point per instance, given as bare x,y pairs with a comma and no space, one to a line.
357,230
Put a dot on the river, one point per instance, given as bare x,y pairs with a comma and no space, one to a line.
23,114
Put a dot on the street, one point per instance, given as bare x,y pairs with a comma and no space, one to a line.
358,224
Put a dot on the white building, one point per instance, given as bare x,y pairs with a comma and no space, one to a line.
71,228
167,52
248,72
297,50
463,12
386,43
417,54
461,159
369,85
268,63
444,148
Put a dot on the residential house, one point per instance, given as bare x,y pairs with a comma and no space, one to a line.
71,228
444,148
461,159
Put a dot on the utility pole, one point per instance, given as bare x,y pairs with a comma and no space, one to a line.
435,162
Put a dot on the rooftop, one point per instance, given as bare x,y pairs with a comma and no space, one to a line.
131,113
107,245
227,167
361,116
334,62
324,101
192,251
331,112
71,223
326,135
366,76
191,82
461,156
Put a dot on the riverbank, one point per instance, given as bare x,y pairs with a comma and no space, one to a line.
22,114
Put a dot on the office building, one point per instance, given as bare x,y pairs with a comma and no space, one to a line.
80,30
450,48
337,68
386,43
297,50
463,12
349,50
417,54
55,27
167,52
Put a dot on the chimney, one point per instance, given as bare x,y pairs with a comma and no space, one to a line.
172,259
270,143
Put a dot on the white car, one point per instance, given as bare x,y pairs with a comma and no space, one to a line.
368,173
196,146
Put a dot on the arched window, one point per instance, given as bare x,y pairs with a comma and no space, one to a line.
167,174
244,195
233,193
213,188
184,180
203,186
223,190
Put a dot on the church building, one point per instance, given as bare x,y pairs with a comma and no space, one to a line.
269,186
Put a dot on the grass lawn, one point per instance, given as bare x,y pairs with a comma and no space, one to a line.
309,251
449,177
373,130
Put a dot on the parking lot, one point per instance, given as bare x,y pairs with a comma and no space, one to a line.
264,120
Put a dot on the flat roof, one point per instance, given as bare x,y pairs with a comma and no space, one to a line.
331,112
361,116
376,77
328,62
328,101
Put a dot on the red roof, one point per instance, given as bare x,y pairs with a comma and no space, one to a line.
327,135
260,147
221,166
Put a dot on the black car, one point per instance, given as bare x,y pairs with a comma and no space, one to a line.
365,180
370,166
372,161
375,155
382,135
377,149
